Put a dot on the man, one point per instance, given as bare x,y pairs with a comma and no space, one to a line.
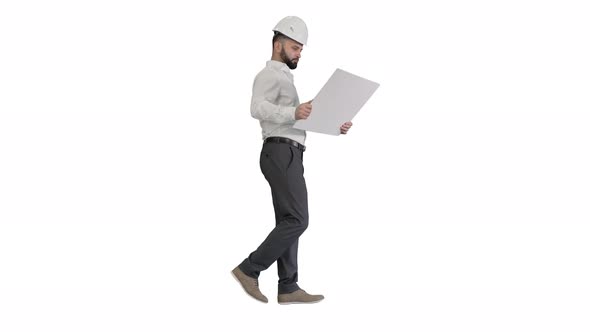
276,104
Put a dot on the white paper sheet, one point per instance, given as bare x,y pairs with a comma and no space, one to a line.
341,98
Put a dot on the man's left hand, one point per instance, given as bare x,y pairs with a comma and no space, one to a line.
344,128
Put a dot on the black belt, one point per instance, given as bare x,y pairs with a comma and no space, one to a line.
276,139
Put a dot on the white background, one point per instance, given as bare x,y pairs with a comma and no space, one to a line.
130,184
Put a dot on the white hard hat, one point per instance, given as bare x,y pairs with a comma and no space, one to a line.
294,28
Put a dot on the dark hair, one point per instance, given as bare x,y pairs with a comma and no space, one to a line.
278,37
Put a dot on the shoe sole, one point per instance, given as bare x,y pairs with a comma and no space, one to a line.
245,291
295,302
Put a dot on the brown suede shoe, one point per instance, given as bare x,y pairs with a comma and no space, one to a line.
249,284
299,296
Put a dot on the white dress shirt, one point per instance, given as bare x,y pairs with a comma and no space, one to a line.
274,100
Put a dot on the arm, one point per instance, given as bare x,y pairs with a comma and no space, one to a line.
264,95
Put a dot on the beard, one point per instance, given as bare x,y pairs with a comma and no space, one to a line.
289,62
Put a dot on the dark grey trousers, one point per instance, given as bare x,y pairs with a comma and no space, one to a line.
282,166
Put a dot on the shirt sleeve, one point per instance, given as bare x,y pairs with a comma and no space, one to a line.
265,94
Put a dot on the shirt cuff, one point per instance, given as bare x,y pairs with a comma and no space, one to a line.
291,110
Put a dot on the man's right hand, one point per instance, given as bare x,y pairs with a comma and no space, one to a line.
303,111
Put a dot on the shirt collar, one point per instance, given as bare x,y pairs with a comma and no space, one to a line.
278,65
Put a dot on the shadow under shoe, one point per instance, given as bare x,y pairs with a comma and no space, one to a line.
249,284
299,297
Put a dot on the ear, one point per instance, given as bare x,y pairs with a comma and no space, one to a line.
277,46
